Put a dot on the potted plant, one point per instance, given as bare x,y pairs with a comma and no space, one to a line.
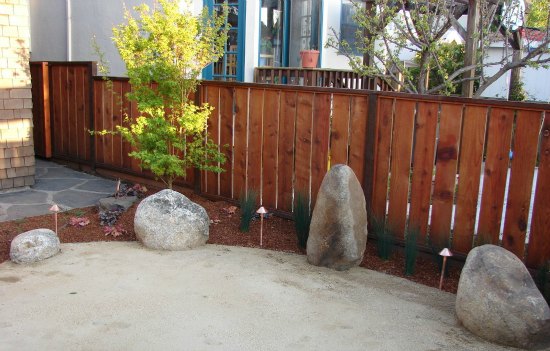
309,58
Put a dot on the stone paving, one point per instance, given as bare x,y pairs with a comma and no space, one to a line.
54,184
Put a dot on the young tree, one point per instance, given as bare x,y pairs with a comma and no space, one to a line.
389,28
165,50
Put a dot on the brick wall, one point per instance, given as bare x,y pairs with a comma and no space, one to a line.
16,142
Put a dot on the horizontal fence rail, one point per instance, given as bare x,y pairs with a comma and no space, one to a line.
318,77
452,171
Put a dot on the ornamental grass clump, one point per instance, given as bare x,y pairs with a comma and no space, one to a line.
247,202
302,219
384,239
411,252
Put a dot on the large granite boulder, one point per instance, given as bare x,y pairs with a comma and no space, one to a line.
338,230
498,300
168,220
34,245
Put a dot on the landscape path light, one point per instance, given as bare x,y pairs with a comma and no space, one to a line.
55,209
262,212
445,253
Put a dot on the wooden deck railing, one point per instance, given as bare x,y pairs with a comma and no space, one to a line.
318,77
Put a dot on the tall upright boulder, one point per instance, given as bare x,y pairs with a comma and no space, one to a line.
498,300
338,230
168,220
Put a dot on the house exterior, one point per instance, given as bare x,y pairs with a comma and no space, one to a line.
264,33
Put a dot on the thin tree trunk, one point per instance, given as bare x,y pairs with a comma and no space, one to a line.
515,78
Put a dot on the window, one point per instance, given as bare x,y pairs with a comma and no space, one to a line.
348,27
230,65
272,19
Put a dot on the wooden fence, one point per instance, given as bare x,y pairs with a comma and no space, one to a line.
436,166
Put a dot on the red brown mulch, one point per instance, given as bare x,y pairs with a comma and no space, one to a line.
279,235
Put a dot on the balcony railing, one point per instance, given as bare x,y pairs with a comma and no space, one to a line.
318,77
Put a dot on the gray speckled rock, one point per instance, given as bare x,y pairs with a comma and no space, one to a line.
498,300
33,246
338,230
168,220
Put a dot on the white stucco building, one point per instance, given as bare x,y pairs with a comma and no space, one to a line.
264,33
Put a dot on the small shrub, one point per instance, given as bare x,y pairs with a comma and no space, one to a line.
109,218
302,219
411,252
542,279
247,203
384,239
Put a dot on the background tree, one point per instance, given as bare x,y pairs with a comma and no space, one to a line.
165,50
390,28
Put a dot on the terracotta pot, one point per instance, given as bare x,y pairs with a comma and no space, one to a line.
309,58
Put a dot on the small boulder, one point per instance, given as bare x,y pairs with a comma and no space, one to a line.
33,246
338,230
168,220
498,300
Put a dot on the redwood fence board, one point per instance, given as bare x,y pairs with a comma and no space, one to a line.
471,155
538,252
499,137
423,160
283,138
445,174
521,180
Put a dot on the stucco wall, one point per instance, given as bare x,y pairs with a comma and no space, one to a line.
16,141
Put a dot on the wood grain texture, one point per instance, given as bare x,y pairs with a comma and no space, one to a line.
400,166
226,141
303,143
287,123
117,121
339,131
255,131
126,114
241,136
538,251
471,156
445,173
382,146
521,180
270,147
320,146
358,133
213,99
499,137
98,123
423,167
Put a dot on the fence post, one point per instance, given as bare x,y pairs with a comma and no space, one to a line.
372,115
41,109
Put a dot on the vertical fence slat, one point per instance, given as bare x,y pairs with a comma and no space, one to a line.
521,180
107,124
63,125
382,157
286,150
400,166
471,155
213,99
445,173
319,155
98,123
303,142
127,112
269,153
339,138
255,140
135,114
423,166
117,120
538,251
239,152
499,136
358,128
71,121
81,120
226,133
